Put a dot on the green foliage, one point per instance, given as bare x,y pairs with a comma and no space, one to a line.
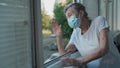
45,20
69,1
61,19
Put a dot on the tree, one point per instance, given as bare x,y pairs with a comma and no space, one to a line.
45,20
61,19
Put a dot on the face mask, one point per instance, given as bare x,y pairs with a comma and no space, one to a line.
73,22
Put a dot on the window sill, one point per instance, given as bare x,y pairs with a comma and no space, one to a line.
56,63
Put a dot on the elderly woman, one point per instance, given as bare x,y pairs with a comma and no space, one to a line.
89,37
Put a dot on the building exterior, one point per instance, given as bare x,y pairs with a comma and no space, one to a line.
107,8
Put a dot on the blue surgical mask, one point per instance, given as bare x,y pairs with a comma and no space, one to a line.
73,22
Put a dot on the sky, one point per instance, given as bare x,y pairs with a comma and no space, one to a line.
49,5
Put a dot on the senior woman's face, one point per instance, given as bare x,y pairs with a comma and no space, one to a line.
71,11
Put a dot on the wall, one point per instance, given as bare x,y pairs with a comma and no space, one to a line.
91,7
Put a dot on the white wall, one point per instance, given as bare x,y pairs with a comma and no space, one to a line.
110,9
118,14
91,7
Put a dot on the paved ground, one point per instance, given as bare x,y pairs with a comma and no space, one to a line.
46,51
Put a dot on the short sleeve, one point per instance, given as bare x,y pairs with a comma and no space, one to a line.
71,41
102,23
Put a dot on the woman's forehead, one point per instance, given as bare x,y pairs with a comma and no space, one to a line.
71,9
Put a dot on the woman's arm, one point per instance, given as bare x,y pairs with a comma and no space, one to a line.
58,32
102,50
62,50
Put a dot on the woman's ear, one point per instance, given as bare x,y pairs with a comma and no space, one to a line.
81,13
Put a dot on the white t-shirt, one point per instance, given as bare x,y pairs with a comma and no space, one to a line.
89,41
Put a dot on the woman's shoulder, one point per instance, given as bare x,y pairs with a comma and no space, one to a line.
98,20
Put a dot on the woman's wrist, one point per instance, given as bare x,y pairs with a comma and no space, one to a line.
59,39
61,49
83,60
59,36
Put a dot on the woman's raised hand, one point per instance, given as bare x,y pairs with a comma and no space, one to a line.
56,28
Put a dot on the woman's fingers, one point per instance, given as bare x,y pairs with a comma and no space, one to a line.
59,27
66,61
54,23
56,28
70,61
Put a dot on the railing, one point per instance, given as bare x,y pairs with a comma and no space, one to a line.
56,63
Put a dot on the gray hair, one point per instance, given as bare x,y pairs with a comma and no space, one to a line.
77,7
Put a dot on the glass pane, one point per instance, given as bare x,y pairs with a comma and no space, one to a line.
53,10
15,34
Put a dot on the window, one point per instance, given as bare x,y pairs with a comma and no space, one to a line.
20,34
15,34
50,50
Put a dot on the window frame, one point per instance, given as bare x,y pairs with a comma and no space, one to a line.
37,54
69,54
